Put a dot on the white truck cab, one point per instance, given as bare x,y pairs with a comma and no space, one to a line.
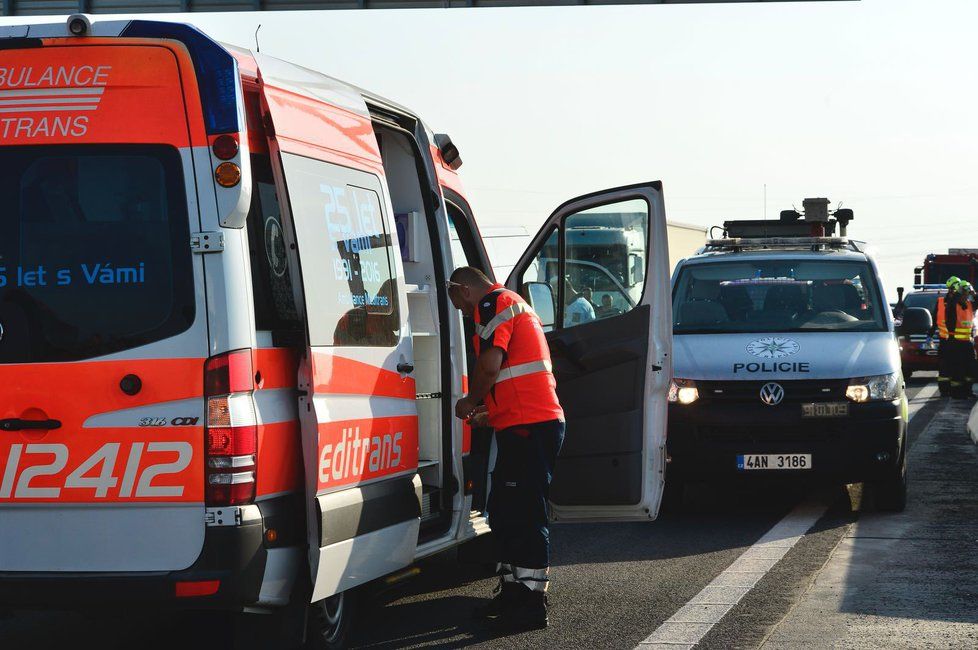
786,364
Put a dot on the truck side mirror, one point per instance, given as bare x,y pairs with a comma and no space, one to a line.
916,320
540,295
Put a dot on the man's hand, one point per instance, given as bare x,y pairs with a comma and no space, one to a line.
479,417
465,407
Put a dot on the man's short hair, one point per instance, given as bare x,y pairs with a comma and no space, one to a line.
470,276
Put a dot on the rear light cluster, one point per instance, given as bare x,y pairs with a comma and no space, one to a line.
232,429
225,147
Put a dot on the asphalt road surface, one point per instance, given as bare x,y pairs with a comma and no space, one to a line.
743,568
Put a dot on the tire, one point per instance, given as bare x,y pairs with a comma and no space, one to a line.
330,622
907,374
891,494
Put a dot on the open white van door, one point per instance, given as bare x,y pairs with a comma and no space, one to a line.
357,408
611,351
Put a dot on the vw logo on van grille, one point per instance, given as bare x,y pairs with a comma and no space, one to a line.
772,393
1,331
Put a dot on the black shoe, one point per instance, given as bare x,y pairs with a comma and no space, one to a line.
530,613
506,599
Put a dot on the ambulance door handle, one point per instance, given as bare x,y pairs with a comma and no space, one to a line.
405,368
17,424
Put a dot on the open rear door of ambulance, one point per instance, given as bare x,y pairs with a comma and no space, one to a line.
357,406
597,274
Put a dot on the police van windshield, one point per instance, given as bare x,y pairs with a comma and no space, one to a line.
94,250
777,296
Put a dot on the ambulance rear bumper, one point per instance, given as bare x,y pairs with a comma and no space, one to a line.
228,575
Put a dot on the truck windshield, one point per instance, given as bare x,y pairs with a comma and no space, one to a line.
785,295
94,250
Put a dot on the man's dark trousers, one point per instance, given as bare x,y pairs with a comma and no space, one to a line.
519,497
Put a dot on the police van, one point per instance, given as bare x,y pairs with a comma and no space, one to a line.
786,364
228,355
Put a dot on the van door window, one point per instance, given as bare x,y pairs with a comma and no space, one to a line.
601,271
270,276
350,290
94,250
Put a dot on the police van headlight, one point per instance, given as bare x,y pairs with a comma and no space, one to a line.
683,391
876,388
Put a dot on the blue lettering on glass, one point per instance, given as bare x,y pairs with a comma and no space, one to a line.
107,274
355,228
95,274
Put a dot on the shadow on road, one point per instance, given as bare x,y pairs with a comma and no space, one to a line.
601,572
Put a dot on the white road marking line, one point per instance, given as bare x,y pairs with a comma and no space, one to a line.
689,625
922,396
695,619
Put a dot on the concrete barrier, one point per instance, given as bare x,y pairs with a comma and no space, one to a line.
973,424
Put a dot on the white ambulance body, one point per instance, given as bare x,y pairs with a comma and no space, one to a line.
228,354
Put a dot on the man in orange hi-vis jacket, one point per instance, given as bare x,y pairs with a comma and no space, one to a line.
513,377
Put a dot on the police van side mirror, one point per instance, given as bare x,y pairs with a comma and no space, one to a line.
916,320
540,295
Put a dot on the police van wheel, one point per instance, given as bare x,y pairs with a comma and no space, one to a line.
330,621
891,494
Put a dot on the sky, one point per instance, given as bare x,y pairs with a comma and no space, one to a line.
873,104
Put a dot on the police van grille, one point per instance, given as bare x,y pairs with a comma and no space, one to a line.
752,434
795,392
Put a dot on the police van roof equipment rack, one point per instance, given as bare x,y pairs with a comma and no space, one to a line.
738,244
813,229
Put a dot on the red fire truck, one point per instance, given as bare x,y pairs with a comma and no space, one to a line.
938,267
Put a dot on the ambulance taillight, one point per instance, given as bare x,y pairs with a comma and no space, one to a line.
231,435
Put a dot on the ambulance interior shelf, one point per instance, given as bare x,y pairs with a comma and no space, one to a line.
423,310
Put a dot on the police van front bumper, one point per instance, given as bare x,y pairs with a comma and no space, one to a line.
229,574
705,438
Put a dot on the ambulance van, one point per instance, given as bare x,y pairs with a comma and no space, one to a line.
227,355
786,362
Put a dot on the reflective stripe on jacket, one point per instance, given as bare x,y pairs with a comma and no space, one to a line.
964,321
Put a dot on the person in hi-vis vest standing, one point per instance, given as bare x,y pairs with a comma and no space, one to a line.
513,376
959,316
943,354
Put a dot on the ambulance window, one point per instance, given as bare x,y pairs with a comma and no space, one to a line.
605,249
349,285
270,276
94,254
463,246
602,272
